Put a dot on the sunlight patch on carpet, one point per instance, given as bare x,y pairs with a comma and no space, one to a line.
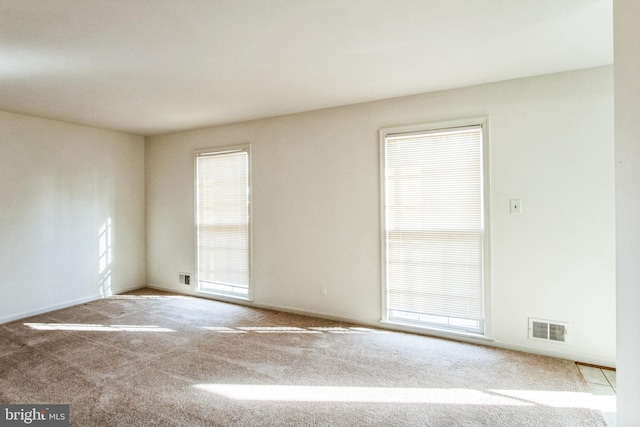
223,330
562,399
151,296
292,330
96,327
452,396
277,330
296,393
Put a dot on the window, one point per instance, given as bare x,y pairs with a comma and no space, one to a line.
223,222
434,233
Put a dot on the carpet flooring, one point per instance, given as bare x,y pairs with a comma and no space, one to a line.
150,358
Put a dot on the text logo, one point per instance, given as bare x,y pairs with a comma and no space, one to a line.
34,415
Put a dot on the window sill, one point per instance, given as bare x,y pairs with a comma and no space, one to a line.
223,297
436,332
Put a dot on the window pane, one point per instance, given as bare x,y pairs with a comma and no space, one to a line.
223,222
435,228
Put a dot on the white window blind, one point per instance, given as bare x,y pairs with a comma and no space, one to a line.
435,234
223,222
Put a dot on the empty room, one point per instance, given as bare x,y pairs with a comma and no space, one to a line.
319,212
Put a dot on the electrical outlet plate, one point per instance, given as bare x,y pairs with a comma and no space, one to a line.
184,278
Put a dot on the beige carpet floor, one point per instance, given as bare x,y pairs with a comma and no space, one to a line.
155,359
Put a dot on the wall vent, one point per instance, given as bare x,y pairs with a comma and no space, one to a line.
184,278
548,330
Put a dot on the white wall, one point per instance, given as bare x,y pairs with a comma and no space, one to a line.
316,205
59,185
627,151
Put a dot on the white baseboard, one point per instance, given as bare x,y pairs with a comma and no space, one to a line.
130,288
49,308
186,291
568,355
575,357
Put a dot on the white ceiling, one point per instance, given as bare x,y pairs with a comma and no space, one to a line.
156,66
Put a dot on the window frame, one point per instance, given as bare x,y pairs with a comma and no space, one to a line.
210,293
483,123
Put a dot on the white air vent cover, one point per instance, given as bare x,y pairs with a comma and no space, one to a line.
548,330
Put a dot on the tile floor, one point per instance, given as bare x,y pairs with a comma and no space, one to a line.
601,382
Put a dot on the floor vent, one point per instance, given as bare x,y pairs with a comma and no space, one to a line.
548,330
